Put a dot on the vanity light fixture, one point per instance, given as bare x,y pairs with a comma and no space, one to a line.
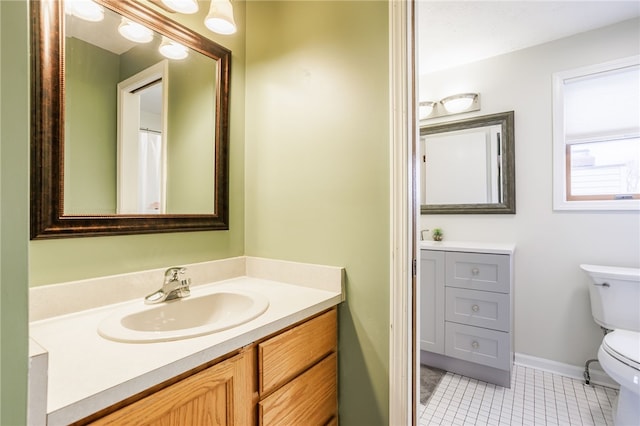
84,9
182,6
220,18
134,31
458,103
425,109
172,50
455,104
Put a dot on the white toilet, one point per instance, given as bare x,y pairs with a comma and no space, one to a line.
615,305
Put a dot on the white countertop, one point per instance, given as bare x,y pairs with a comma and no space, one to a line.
88,373
465,246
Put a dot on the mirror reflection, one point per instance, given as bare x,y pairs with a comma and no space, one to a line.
130,122
467,166
463,166
139,129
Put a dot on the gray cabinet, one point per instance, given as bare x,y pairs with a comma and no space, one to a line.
466,309
432,301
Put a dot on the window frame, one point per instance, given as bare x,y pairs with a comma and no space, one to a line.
561,156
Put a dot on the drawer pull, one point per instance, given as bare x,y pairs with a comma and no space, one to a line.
475,271
475,308
475,344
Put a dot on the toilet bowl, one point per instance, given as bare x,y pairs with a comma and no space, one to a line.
615,305
619,356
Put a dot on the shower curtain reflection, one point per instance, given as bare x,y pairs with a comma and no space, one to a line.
150,196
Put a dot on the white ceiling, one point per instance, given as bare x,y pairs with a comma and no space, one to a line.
452,33
103,34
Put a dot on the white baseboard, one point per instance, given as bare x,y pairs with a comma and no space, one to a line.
597,375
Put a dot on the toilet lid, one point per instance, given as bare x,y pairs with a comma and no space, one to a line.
624,345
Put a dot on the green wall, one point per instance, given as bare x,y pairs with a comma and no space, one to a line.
14,208
317,168
192,93
91,75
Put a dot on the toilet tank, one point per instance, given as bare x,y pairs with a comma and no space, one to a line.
615,296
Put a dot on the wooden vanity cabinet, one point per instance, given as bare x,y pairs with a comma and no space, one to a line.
219,395
286,379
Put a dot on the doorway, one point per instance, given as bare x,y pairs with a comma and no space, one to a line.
142,147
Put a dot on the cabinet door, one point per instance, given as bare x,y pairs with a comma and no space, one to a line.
220,395
432,301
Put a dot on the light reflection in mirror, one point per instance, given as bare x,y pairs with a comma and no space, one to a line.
104,72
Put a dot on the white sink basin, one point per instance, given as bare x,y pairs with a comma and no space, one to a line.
183,318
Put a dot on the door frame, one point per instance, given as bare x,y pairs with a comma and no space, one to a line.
128,136
403,349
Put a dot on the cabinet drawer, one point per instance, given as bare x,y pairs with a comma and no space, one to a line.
283,357
481,308
479,345
310,399
477,271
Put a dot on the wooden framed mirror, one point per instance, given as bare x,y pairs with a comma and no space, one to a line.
82,183
468,166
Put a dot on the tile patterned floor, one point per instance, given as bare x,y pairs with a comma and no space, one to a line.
535,398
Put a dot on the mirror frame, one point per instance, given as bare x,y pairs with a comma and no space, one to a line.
508,205
47,130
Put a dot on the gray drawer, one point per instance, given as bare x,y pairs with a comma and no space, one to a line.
479,345
481,308
476,271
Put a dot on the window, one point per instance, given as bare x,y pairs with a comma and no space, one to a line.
596,137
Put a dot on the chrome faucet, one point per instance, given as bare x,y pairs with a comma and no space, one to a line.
172,288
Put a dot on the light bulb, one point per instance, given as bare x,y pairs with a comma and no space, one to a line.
172,50
220,18
134,31
84,9
182,6
458,103
425,109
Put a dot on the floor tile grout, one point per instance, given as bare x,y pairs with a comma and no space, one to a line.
535,398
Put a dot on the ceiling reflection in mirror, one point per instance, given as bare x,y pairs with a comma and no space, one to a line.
128,148
126,139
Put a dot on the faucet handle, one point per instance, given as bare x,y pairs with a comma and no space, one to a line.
183,289
172,287
172,273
